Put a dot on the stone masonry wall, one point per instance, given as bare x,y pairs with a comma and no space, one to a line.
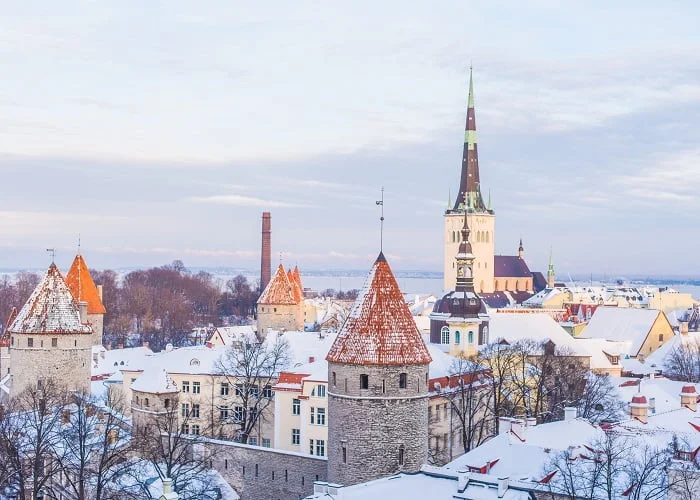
68,363
373,425
97,323
280,317
258,473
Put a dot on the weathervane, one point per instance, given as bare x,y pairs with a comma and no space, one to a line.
78,243
52,251
381,222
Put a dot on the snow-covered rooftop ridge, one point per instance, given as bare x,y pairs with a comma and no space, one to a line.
50,309
622,324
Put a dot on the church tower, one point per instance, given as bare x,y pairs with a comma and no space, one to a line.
459,318
377,387
550,272
481,216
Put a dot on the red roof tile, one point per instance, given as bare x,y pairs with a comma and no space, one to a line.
279,291
380,329
82,287
296,290
50,309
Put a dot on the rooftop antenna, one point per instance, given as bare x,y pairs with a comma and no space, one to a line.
52,251
381,222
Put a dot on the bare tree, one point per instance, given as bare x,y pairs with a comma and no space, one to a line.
499,359
169,449
251,367
470,399
599,400
683,362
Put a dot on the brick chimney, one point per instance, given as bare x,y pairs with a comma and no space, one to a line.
689,398
639,408
265,266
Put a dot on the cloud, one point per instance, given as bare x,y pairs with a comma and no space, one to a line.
245,201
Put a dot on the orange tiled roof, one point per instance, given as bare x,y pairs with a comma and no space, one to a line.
279,291
297,277
82,287
380,329
296,289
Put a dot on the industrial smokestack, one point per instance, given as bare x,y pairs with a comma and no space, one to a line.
265,268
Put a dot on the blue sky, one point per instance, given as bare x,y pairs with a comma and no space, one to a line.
161,130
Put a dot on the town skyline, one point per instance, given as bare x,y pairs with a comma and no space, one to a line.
169,143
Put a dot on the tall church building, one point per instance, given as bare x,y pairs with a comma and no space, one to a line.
377,387
492,273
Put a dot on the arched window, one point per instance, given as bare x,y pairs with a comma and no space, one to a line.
457,337
487,236
470,337
445,335
478,236
459,237
454,237
484,335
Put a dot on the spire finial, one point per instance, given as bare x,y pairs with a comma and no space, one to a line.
381,222
52,251
489,207
78,243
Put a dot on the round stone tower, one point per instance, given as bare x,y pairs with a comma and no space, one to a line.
377,387
50,338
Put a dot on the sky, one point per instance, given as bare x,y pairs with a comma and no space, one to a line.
161,130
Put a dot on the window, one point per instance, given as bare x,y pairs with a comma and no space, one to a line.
313,415
321,416
239,389
344,449
185,409
296,406
470,337
445,335
401,453
224,388
364,381
54,342
266,443
254,391
661,337
321,391
195,411
458,337
195,430
238,414
185,386
30,342
311,446
321,447
185,429
334,379
437,413
223,412
430,413
167,402
267,391
145,402
195,387
254,441
403,380
444,411
296,434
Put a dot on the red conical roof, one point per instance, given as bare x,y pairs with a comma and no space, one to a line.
279,291
50,309
82,287
297,277
380,329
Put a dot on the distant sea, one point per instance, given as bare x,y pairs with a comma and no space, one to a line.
412,282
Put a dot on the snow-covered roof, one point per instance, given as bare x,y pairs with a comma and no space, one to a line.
430,482
622,324
106,362
539,327
523,452
154,380
51,309
227,334
380,328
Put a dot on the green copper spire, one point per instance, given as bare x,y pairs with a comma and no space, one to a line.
471,89
550,268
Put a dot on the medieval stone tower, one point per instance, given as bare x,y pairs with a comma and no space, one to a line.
84,289
482,219
50,338
281,304
377,387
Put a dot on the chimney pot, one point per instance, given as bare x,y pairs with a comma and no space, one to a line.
570,413
82,308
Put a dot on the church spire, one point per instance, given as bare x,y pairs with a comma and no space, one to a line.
469,182
550,271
